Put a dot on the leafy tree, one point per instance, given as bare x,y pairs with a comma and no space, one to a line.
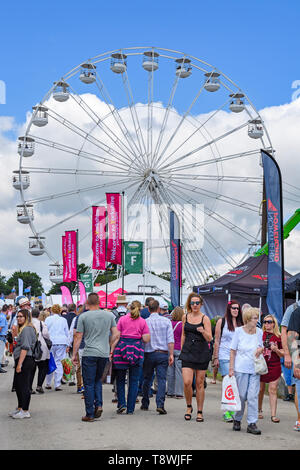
29,279
3,286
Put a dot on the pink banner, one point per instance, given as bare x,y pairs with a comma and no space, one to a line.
82,293
66,296
99,237
71,256
114,213
64,257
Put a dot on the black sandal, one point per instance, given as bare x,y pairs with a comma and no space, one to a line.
188,416
199,420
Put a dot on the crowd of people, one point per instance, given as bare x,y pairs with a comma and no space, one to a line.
153,351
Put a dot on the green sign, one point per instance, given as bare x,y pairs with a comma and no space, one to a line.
87,280
133,257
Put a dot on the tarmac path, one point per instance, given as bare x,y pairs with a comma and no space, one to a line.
56,424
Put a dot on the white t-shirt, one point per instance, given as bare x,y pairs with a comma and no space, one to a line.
245,345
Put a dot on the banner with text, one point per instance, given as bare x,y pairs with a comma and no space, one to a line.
114,216
273,186
175,259
133,257
99,237
71,256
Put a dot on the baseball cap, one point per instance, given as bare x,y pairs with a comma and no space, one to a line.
163,304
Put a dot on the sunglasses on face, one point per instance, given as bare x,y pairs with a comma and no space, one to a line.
196,303
20,316
234,308
268,321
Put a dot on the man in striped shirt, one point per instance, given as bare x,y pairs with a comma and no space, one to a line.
158,356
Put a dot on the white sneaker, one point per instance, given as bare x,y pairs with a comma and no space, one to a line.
11,413
21,414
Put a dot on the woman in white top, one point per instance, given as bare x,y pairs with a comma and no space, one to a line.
246,343
225,329
59,335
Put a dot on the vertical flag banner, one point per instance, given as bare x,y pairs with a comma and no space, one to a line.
273,185
64,257
44,299
71,255
82,291
133,257
20,281
87,281
114,216
66,296
99,237
175,259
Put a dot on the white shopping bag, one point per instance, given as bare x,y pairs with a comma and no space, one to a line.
230,395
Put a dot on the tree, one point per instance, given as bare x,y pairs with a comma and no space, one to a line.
3,285
29,278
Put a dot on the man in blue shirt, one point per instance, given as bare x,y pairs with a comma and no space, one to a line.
3,332
145,311
158,356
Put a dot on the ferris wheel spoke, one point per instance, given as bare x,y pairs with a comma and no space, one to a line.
75,191
186,114
208,237
77,152
222,220
134,117
91,139
150,116
82,211
191,135
99,122
72,171
117,117
220,197
207,144
214,160
232,179
165,120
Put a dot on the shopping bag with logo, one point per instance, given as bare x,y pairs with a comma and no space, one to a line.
68,368
230,395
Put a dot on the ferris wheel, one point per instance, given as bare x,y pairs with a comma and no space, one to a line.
168,130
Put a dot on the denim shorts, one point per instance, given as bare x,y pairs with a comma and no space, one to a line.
224,367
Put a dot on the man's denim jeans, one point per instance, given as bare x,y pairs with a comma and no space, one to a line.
92,370
159,362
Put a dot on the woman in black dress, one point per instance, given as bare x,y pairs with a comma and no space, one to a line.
195,353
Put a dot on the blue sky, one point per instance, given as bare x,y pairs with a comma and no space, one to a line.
255,43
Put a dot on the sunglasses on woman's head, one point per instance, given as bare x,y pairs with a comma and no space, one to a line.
268,321
196,303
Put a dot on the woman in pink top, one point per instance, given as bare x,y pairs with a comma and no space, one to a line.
174,377
127,353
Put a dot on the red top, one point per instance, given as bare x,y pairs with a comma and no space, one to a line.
272,359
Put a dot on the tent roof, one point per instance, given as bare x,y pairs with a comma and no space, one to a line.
249,277
293,283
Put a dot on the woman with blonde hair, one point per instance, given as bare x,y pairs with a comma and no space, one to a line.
273,351
174,374
24,363
127,353
246,343
195,353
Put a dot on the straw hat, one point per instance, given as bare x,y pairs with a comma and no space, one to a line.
121,299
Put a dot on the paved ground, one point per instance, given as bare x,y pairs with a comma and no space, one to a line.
56,424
